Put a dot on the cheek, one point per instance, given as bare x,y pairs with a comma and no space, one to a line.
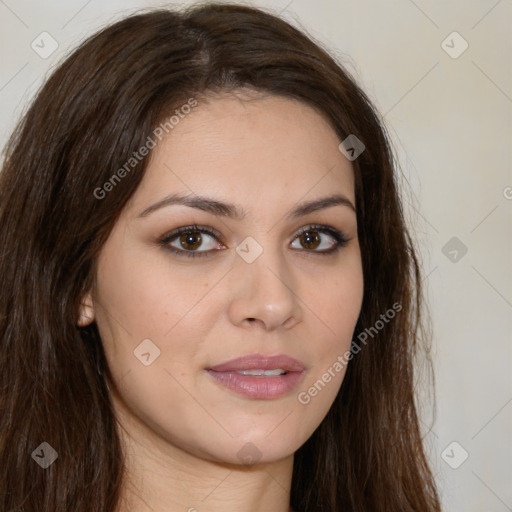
147,296
340,304
338,308
151,307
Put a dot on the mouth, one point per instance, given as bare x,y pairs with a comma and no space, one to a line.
259,377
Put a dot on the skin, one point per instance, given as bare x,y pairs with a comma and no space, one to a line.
180,429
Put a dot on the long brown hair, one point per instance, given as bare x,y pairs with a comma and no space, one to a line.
93,113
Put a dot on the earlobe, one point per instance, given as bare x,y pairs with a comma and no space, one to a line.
86,315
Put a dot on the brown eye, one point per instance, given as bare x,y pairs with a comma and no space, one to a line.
191,240
310,239
319,239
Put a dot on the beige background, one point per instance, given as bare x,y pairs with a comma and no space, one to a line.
451,123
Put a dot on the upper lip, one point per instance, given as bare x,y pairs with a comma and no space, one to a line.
260,362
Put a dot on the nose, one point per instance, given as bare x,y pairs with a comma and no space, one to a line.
264,293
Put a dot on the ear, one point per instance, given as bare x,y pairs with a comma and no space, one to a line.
86,315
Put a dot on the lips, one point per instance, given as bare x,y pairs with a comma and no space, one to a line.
257,362
259,377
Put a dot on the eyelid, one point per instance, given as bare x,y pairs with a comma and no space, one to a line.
321,227
339,236
169,237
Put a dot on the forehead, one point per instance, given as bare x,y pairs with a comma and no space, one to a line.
263,149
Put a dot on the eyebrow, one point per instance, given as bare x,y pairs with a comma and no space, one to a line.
232,211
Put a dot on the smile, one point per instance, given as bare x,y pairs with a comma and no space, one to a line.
259,377
263,373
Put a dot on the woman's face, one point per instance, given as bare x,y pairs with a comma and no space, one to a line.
245,283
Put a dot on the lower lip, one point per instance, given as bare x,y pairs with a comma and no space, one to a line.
260,388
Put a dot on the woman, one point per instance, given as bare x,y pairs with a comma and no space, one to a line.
210,299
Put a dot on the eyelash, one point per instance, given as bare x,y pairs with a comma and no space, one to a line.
340,239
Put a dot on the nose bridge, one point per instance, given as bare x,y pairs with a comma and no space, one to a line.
264,284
